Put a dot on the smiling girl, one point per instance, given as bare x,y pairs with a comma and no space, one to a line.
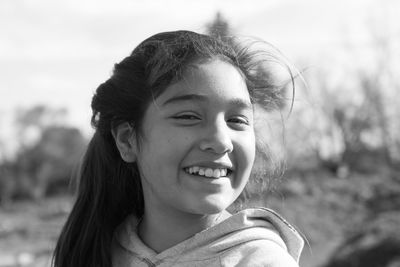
174,147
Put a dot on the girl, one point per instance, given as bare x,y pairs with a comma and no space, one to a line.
174,147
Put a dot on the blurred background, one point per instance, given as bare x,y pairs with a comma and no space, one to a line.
342,185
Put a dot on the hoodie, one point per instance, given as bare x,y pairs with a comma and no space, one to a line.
252,237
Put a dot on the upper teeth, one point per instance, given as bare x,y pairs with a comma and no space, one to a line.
208,172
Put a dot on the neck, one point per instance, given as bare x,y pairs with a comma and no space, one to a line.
165,229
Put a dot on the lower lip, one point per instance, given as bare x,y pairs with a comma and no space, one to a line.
209,179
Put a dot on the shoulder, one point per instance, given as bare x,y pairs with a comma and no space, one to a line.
266,253
293,242
261,237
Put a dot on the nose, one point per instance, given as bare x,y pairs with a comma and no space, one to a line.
217,139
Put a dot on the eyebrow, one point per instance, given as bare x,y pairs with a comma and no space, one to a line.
179,98
237,102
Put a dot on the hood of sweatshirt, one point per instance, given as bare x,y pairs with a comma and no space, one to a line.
230,238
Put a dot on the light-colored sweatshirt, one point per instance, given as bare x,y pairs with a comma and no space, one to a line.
252,237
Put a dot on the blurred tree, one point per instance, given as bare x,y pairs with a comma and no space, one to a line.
375,244
353,124
31,122
219,27
43,165
349,124
354,115
50,162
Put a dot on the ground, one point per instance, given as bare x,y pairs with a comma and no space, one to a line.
29,229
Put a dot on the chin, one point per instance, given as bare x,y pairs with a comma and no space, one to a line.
212,206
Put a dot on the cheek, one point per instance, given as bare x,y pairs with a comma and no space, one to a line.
253,150
248,147
245,156
164,151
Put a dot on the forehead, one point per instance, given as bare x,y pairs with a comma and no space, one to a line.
210,79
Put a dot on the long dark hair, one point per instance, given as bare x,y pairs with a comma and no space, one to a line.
109,188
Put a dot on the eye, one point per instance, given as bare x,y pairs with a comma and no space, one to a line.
239,122
188,117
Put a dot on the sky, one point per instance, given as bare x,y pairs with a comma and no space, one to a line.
56,52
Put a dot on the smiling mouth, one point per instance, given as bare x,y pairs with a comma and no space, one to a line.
208,172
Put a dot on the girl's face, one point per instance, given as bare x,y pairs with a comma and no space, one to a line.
198,143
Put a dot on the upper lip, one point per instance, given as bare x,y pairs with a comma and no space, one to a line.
212,165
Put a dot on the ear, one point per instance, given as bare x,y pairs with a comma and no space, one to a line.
125,140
